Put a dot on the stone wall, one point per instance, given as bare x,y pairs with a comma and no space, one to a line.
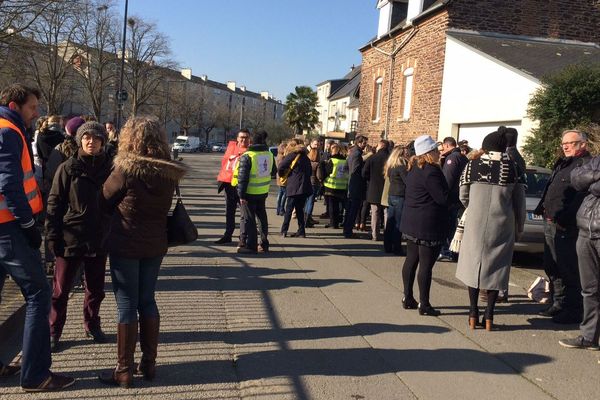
424,52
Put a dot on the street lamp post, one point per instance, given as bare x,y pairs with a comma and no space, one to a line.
120,99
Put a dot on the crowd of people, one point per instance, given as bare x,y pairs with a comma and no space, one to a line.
98,195
102,195
444,200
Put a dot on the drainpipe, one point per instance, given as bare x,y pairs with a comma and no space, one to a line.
392,57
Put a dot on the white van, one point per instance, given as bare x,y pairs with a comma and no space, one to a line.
187,144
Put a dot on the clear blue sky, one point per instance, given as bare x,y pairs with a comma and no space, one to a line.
271,45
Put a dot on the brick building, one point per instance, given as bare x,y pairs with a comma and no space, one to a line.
461,67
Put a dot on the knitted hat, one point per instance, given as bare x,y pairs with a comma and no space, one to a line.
494,142
73,124
91,128
424,144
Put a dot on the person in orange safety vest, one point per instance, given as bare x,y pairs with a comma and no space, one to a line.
228,163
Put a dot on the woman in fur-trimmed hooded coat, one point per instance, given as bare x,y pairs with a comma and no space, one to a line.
138,194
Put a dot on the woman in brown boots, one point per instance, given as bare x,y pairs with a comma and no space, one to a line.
138,194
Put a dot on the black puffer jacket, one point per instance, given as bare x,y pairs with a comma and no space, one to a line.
587,178
74,225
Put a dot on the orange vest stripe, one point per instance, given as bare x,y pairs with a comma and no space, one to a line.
30,186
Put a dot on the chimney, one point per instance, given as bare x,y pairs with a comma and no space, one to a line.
264,95
243,88
204,77
186,73
231,85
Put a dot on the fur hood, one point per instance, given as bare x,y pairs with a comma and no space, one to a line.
147,168
299,148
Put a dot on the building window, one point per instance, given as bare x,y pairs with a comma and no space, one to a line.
377,96
407,93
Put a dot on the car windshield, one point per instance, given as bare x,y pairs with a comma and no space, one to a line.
180,141
536,181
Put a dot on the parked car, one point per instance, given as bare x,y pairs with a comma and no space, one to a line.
219,148
533,234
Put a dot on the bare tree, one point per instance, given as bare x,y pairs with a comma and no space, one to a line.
95,56
17,15
49,53
147,54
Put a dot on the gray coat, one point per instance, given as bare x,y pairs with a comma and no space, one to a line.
495,215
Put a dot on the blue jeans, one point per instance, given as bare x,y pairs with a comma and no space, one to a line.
134,284
281,200
392,236
24,264
310,201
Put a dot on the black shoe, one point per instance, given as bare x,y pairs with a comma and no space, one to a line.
579,343
263,248
324,216
246,250
298,234
283,234
332,226
428,310
97,335
54,344
223,240
350,235
567,317
309,224
445,258
409,303
550,311
9,370
54,382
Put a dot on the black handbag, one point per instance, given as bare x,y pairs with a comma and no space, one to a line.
180,228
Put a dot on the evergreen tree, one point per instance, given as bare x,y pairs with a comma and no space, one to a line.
569,99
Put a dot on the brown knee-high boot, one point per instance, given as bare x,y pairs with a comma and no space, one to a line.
149,328
122,375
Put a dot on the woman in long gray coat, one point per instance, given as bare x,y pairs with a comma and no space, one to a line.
495,216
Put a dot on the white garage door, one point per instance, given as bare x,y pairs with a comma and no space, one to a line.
475,133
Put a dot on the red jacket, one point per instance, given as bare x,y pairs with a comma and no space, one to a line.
229,161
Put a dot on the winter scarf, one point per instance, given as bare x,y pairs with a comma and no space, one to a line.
492,168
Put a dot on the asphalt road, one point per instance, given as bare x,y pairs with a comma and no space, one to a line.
321,318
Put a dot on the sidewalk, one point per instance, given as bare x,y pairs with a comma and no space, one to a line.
320,318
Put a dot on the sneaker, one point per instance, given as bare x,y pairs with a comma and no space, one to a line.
579,343
223,240
97,335
298,234
54,382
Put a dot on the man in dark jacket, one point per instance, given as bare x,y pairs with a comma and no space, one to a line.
587,179
373,173
252,178
452,167
356,184
20,239
558,206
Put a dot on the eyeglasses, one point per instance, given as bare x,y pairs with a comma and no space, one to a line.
573,143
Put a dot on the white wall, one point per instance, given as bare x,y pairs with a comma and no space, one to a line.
323,106
479,89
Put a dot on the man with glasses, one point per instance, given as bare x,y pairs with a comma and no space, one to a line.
228,164
558,206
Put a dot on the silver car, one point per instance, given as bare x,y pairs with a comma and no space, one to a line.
533,234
